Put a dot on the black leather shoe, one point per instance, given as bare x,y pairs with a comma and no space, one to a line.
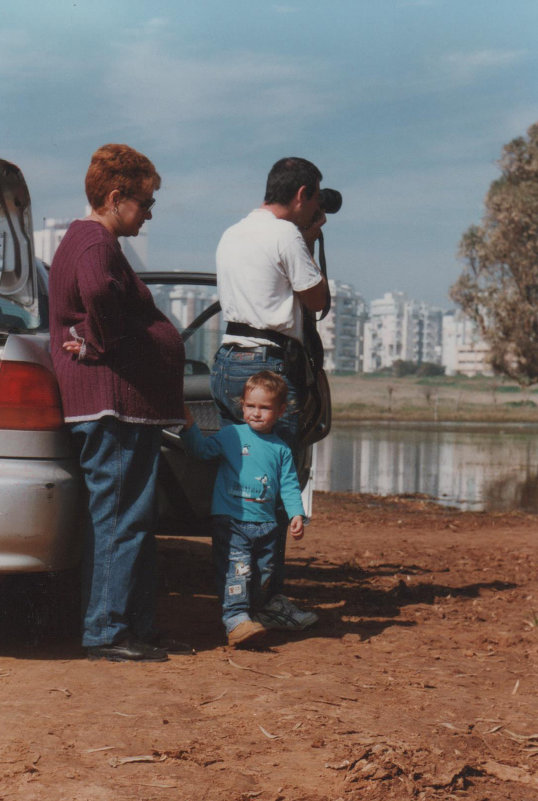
171,645
128,651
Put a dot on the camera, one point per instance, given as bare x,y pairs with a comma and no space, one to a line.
330,200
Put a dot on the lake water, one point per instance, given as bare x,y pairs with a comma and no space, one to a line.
469,466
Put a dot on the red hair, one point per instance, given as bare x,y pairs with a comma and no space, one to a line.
119,167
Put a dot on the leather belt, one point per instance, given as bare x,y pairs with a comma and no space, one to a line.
265,350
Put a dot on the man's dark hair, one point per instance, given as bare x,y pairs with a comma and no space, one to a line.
286,178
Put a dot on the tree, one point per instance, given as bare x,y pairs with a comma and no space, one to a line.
401,368
430,370
498,288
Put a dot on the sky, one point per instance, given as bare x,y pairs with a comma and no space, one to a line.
404,105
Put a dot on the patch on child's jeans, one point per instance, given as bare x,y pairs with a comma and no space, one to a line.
235,589
241,569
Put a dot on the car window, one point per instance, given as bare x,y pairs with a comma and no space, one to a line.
195,311
192,305
19,307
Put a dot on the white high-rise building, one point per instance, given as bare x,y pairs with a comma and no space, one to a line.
341,331
464,350
46,241
383,333
423,332
401,329
186,303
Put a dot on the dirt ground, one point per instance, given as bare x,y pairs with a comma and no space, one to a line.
419,682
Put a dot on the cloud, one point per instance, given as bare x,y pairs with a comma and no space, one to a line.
420,3
22,62
56,183
15,54
156,85
519,120
224,190
412,197
467,66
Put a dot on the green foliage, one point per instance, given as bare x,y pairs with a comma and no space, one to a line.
401,368
498,288
520,404
510,388
427,369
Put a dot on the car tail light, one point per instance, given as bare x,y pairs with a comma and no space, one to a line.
29,397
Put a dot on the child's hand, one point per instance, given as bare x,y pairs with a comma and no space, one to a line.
189,419
297,527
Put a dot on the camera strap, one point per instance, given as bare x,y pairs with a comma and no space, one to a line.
323,266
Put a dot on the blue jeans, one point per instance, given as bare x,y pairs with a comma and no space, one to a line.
244,556
119,462
230,370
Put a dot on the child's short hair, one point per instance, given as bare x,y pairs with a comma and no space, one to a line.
270,381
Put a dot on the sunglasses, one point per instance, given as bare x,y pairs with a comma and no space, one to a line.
145,205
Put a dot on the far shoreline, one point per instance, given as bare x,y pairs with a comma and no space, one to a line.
374,400
407,422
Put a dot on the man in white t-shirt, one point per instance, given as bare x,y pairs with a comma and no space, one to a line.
265,276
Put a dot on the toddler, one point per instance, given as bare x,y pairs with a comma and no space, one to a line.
256,471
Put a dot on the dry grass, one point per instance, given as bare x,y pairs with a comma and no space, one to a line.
433,399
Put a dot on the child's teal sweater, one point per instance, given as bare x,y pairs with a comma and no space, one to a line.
254,471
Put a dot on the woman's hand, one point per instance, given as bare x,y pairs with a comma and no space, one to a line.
72,346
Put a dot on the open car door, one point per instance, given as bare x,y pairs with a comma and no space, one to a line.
190,301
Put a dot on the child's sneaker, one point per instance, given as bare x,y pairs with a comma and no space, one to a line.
281,613
247,631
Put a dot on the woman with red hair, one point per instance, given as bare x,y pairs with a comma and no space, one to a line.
119,363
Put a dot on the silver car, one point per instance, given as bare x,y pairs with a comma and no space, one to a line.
39,477
41,494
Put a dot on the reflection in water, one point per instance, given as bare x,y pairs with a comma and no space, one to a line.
513,492
471,467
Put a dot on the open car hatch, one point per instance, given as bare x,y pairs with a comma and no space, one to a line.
19,311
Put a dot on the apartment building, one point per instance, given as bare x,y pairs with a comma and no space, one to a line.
464,350
46,240
183,305
401,329
342,330
383,332
424,332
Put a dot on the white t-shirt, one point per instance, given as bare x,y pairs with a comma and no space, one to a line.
262,261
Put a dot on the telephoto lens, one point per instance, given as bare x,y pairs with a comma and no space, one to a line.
330,200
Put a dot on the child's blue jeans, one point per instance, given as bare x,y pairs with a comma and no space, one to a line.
228,375
244,557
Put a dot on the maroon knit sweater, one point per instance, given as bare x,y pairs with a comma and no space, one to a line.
132,357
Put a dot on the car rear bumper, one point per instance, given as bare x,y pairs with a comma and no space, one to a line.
41,514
